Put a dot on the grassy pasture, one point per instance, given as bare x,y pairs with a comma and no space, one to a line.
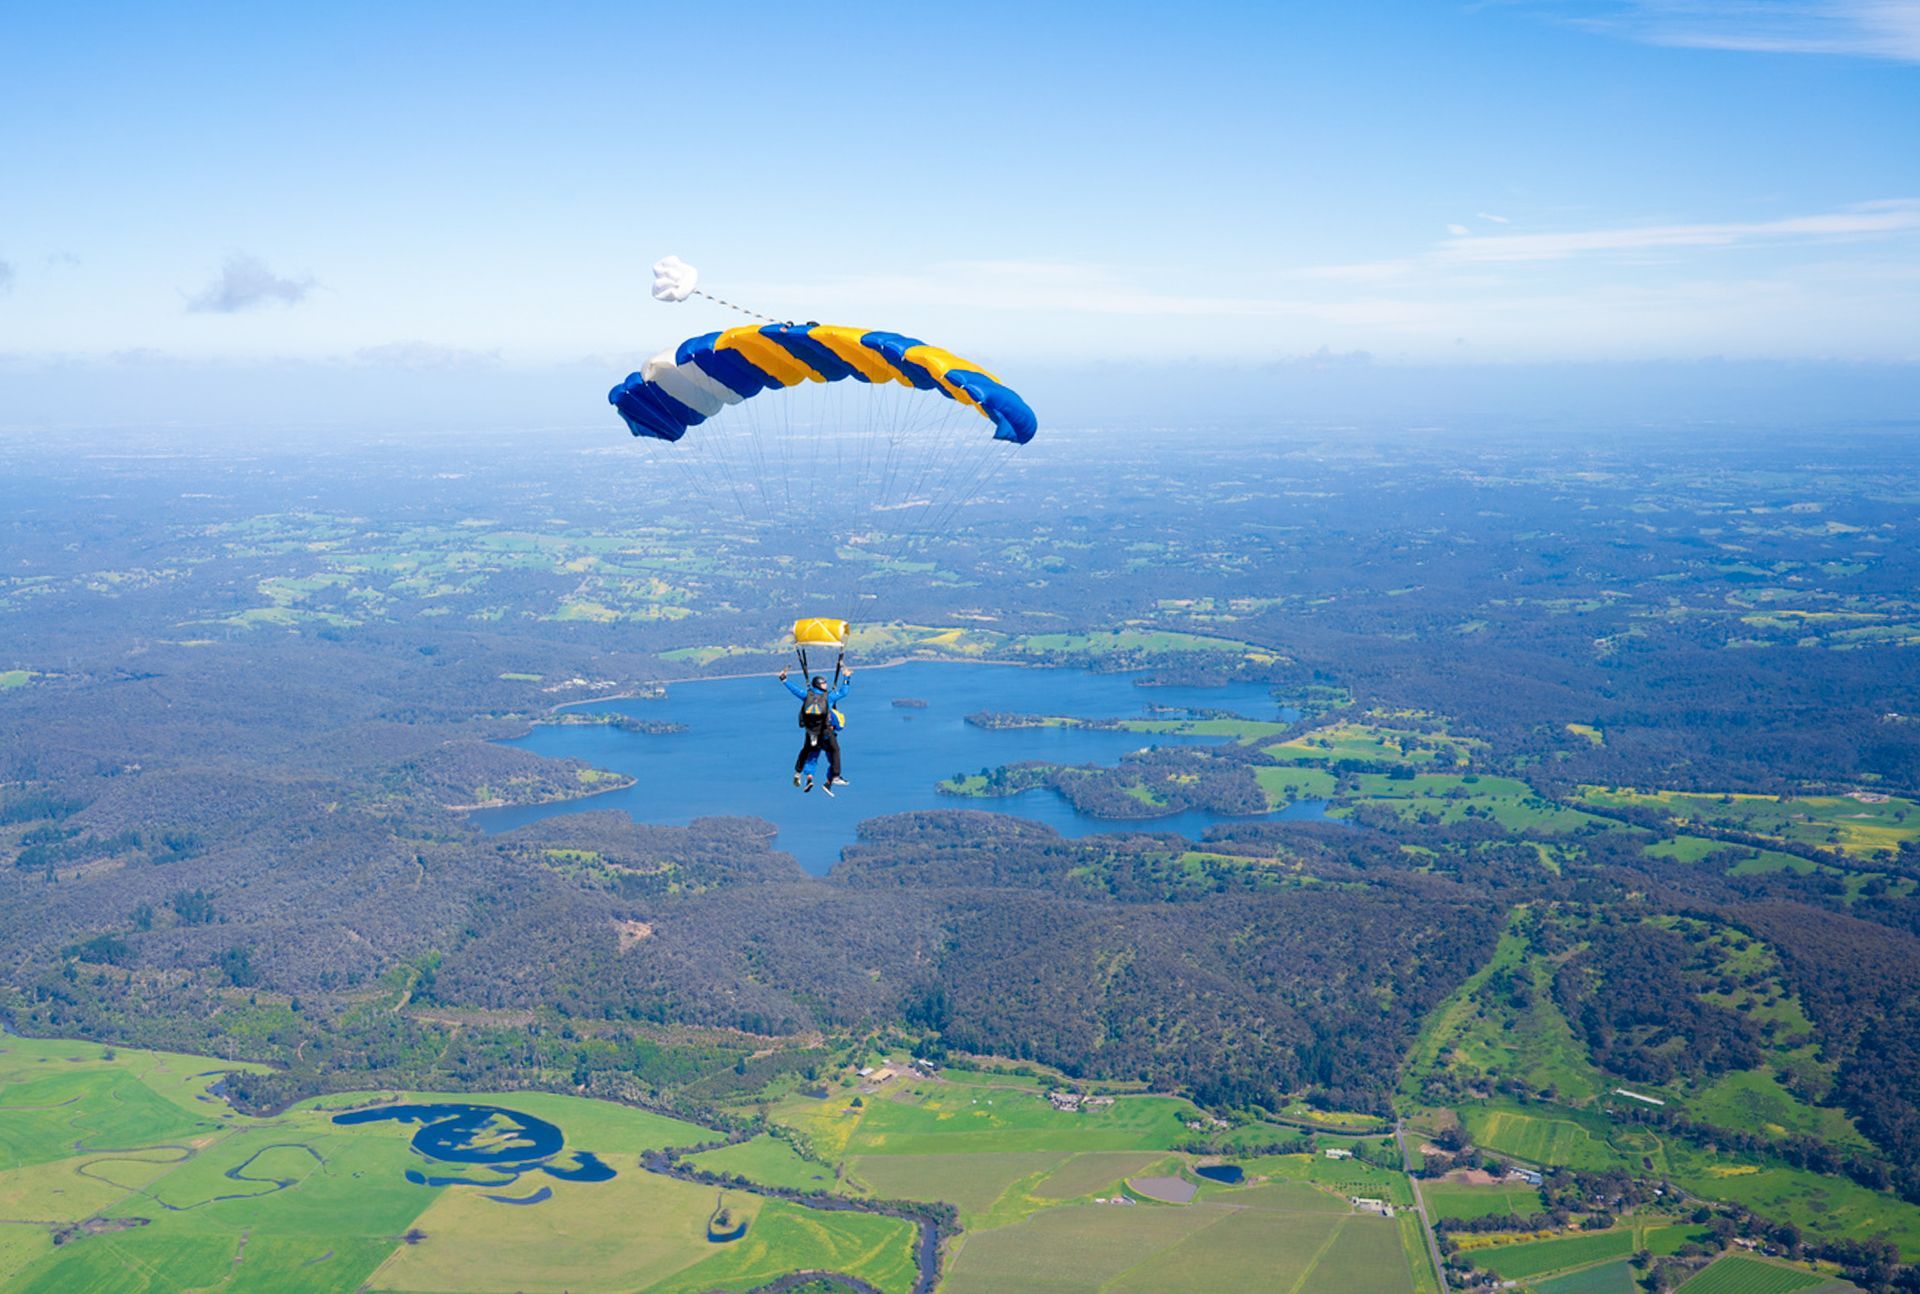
1278,1197
1661,1241
1375,743
1291,784
21,1245
638,1231
1247,1250
1480,1032
988,1189
1450,798
1071,1250
1560,1138
208,1199
1464,1200
769,1161
588,1237
1153,642
1829,1206
1201,1247
1864,830
1093,1173
933,1118
1754,1099
787,1237
1343,1177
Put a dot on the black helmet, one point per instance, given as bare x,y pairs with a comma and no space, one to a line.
820,681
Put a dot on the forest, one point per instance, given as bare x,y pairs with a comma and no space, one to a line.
258,693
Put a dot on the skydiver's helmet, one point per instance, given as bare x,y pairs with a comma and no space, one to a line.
820,682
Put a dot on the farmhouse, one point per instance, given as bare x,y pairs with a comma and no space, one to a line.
1368,1205
1337,1152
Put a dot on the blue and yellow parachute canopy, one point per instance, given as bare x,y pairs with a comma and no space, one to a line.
682,388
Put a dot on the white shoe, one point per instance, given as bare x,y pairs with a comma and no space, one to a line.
828,788
796,779
838,781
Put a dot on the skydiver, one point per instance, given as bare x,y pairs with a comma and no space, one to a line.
822,725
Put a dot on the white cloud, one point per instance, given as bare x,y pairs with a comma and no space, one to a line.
1863,221
1888,29
1459,231
1488,215
244,283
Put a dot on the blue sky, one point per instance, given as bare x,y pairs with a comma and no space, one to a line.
1429,182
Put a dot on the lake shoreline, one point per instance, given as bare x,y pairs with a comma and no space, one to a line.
890,663
734,754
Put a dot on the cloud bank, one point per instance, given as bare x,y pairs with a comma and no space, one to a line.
246,283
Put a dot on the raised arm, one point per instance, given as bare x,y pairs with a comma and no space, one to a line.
846,681
799,693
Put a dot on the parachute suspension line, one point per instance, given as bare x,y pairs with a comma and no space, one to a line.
995,461
755,314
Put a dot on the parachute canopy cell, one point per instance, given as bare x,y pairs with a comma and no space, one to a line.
817,631
682,388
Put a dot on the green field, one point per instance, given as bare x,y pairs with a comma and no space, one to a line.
1451,798
1607,1278
1864,828
1151,642
1539,1257
1461,1200
1738,1274
933,1117
1828,1206
1203,1246
1291,784
1481,1034
988,1189
1755,1101
1379,741
176,1191
1555,1136
769,1161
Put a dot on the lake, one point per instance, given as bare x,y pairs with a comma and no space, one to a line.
735,757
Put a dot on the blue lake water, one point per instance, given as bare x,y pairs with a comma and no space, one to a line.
507,1143
736,756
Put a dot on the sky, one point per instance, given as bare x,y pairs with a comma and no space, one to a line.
428,190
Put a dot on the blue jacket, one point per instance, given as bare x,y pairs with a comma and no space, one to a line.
833,697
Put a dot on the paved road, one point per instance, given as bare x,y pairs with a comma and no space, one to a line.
1420,1206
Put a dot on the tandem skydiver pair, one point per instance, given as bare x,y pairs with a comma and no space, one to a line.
820,716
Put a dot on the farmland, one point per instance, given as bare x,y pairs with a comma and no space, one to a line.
172,1184
1736,1274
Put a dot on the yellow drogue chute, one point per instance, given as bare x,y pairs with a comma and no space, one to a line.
819,631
